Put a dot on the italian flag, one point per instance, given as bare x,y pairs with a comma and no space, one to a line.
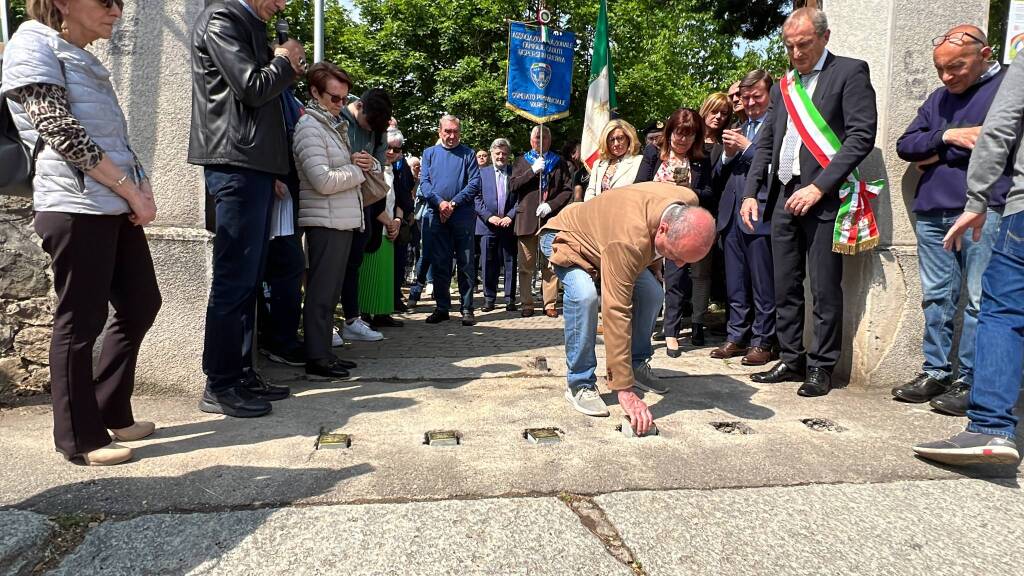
601,93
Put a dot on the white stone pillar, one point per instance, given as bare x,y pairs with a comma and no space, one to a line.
149,60
883,320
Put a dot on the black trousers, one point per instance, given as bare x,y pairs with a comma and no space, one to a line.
329,253
801,244
280,303
98,261
350,291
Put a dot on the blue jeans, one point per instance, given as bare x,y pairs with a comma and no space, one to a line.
242,198
580,306
442,241
942,272
1000,334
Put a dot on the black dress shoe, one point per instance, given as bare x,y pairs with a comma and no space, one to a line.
437,317
385,321
954,402
920,389
346,364
326,368
511,307
487,307
781,372
260,388
236,402
400,307
697,334
468,319
817,383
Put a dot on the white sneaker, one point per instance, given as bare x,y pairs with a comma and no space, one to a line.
587,401
336,338
644,379
428,290
359,330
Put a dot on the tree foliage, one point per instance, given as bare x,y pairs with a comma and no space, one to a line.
451,57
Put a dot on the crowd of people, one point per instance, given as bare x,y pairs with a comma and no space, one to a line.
316,206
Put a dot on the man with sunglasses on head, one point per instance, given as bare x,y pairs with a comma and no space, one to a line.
940,142
238,136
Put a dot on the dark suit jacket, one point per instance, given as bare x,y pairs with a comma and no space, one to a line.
700,169
731,179
526,187
487,201
846,100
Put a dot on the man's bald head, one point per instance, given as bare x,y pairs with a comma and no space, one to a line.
686,234
961,57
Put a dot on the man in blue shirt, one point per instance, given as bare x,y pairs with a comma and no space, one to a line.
940,142
450,185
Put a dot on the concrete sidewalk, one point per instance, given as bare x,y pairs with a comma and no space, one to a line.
488,383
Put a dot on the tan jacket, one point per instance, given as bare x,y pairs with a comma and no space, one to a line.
625,174
613,235
329,182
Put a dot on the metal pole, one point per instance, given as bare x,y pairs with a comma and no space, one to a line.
3,17
318,31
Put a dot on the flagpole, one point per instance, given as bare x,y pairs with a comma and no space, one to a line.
3,17
318,31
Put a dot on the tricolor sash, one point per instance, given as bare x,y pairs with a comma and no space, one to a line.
855,229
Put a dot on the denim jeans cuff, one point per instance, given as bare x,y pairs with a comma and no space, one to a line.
972,427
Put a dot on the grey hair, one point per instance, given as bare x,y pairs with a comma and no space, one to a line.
413,160
395,134
547,131
501,143
816,16
449,118
682,222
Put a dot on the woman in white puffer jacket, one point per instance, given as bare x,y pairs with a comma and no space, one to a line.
330,209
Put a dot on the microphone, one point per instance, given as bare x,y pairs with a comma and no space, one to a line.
282,30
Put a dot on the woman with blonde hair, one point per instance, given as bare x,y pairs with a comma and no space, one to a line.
717,113
91,198
618,158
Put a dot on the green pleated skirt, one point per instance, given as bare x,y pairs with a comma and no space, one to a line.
377,280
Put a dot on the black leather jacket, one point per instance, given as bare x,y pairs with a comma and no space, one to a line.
236,87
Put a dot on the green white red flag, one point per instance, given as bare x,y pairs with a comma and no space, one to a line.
601,93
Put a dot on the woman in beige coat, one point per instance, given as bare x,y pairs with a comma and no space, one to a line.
619,158
330,209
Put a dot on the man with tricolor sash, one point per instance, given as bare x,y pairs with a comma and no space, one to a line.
820,127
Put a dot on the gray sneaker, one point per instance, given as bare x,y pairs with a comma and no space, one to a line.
644,379
586,401
970,448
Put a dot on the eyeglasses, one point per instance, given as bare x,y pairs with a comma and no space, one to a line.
335,99
956,39
108,3
734,95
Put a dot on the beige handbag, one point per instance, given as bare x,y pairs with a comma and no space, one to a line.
374,188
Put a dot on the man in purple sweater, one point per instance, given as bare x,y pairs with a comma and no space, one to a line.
939,142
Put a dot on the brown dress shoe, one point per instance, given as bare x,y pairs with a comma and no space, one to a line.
136,431
728,350
526,312
758,356
551,313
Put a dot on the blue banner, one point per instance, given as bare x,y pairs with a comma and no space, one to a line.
539,71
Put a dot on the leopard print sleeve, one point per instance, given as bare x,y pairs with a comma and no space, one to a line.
48,109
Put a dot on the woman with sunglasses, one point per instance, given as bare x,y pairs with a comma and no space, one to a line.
91,198
330,210
681,159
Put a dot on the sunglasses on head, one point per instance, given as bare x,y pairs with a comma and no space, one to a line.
956,39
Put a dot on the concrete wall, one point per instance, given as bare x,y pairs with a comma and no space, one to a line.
884,322
149,58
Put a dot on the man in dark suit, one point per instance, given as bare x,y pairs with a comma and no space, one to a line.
803,199
749,276
543,186
495,215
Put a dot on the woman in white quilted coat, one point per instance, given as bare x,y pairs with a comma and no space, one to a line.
330,209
